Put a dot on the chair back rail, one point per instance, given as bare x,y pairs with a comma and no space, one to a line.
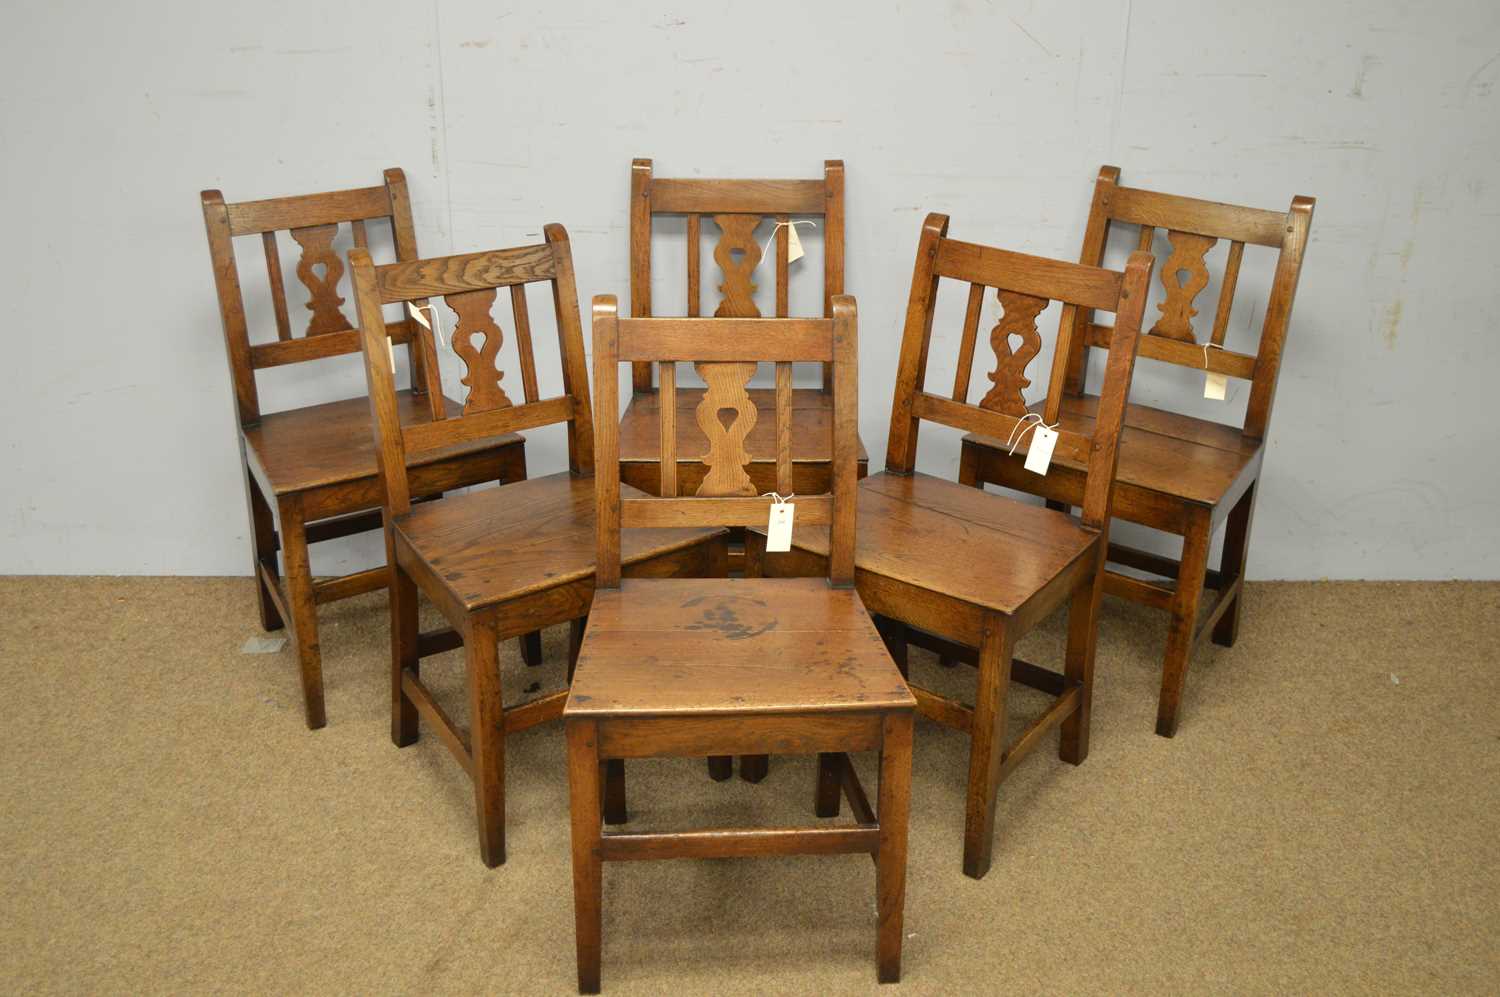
726,497
1024,286
1192,228
736,208
312,221
469,285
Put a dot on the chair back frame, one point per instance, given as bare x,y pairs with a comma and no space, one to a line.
725,352
736,207
313,221
469,285
1192,228
1025,285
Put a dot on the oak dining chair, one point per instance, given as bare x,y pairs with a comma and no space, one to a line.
718,666
309,473
1179,474
968,574
498,562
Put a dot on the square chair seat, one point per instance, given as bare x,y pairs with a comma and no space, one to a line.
333,443
496,544
812,440
984,549
732,646
1179,456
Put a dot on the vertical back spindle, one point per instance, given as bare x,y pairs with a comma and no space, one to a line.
965,371
278,286
694,254
783,264
523,341
1148,235
784,428
666,400
360,239
1226,292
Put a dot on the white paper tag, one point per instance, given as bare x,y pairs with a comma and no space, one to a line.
1214,385
793,245
416,313
779,528
1039,453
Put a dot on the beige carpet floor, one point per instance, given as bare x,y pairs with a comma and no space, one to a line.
1327,820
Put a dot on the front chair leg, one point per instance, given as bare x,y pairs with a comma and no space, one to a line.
986,747
1185,599
893,812
302,604
486,736
1232,565
588,881
403,652
1078,661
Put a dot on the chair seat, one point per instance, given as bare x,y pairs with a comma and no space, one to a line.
911,528
812,428
732,646
500,543
1194,460
331,444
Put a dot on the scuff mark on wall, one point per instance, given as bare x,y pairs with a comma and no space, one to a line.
1393,322
1366,63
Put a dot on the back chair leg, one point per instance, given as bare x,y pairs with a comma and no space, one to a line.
262,550
531,648
588,872
302,604
1189,592
893,812
830,792
893,632
486,735
613,772
403,654
575,643
1232,565
986,747
1078,662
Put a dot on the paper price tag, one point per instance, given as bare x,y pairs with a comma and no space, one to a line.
1039,454
1215,385
779,528
793,245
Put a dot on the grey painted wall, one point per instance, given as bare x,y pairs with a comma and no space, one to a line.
115,416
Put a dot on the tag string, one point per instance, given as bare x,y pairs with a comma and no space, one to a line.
778,227
1014,441
1206,348
436,328
778,499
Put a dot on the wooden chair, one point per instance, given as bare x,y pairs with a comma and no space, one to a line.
310,473
498,562
689,668
1178,474
735,208
950,568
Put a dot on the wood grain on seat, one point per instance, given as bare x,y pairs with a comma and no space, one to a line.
1194,460
732,645
501,543
911,528
333,443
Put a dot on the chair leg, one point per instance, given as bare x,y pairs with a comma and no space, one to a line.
575,643
262,551
304,609
613,774
1185,599
1232,565
987,746
403,652
588,872
893,632
1078,661
531,648
968,466
830,792
486,735
720,767
890,861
